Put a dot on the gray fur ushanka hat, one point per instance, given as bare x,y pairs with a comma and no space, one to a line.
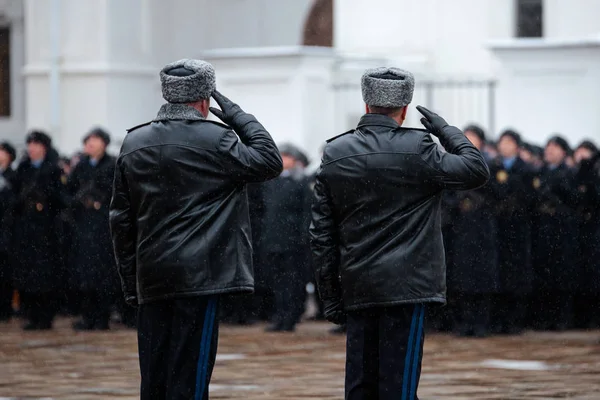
387,87
187,81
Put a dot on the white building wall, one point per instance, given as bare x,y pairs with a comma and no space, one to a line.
550,87
111,52
571,19
288,89
449,36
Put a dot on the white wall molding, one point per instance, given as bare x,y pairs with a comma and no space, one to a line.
93,69
543,43
268,52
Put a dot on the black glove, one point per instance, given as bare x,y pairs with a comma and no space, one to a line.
333,310
229,110
431,121
131,300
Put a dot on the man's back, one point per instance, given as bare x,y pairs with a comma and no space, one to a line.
186,186
385,183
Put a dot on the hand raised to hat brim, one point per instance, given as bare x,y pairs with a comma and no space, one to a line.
431,121
228,109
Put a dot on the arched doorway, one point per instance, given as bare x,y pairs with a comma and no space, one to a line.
318,28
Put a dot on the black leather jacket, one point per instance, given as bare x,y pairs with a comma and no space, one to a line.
376,220
179,212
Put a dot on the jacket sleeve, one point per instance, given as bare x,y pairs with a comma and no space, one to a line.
124,232
463,167
253,156
324,241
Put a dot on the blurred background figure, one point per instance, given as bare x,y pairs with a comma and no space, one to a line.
91,255
490,150
587,181
472,271
510,180
8,155
38,270
555,239
286,219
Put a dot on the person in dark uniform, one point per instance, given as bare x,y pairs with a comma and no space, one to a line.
285,233
473,272
555,239
180,225
8,155
38,269
70,298
263,298
511,181
90,185
532,155
376,232
587,298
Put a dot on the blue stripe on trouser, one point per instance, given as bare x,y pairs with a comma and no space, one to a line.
205,345
415,366
409,350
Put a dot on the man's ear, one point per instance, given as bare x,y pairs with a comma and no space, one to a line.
404,112
367,109
204,105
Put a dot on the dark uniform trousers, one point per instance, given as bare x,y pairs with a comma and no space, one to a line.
177,342
288,289
473,314
6,289
384,351
39,308
95,309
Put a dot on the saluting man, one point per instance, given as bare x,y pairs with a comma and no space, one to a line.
376,232
181,228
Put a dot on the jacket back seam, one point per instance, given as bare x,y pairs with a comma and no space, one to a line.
167,144
370,154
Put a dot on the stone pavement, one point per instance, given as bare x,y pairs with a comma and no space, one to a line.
309,364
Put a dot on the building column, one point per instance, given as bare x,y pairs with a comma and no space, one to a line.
106,71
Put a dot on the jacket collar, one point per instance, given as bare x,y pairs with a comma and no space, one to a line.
173,112
377,120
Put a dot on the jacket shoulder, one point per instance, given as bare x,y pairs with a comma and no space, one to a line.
417,130
216,123
138,126
340,135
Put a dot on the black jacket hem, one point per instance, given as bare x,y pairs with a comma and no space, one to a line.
392,303
196,293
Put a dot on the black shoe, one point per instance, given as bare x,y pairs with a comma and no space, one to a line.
101,326
338,330
44,326
561,327
276,327
288,328
512,330
40,326
481,333
83,326
130,324
30,326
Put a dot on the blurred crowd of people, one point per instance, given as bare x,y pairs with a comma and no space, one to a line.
55,245
523,252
